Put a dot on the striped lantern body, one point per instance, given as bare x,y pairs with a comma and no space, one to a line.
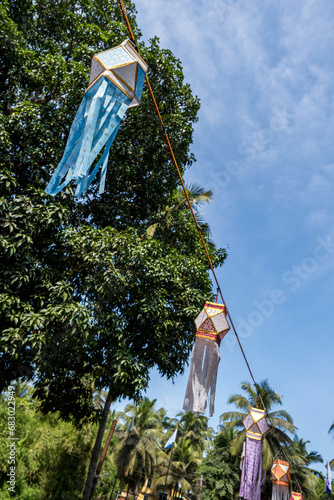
211,326
296,496
251,477
280,475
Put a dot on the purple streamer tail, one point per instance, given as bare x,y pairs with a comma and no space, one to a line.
251,477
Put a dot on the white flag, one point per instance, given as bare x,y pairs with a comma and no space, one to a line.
132,423
171,440
328,485
243,455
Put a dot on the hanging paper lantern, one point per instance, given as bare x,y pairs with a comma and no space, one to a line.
116,83
296,496
212,326
251,478
280,475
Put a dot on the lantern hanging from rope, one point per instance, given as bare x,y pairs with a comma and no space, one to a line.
295,495
251,478
116,83
280,475
212,326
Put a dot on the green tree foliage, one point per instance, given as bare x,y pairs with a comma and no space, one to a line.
51,455
301,461
194,430
167,219
140,441
88,299
181,473
220,470
143,434
178,465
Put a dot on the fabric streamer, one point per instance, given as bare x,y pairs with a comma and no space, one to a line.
212,326
116,83
328,485
251,477
280,474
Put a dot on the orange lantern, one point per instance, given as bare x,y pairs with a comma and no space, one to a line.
280,475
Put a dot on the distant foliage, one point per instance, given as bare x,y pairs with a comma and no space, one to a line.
51,455
220,470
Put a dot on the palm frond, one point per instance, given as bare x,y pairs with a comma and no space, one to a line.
240,402
237,443
232,416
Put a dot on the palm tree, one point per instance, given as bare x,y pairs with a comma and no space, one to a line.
140,434
197,197
220,471
177,469
280,421
300,461
194,429
99,399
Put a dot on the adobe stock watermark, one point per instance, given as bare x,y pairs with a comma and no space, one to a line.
291,279
11,439
250,148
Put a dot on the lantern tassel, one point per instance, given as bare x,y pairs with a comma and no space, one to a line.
204,363
280,492
95,125
251,477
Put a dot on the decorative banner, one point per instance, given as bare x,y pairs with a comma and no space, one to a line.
212,326
328,485
280,475
116,83
251,478
171,440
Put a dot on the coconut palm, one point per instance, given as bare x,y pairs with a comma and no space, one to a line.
220,471
300,461
99,399
280,422
194,429
139,434
177,468
197,197
180,464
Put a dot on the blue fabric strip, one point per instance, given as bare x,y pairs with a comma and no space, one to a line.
95,126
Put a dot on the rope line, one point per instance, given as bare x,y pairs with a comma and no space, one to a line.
200,233
186,194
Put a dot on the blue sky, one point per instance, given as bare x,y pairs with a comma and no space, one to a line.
264,72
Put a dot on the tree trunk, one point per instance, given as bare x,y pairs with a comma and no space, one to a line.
106,446
90,483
